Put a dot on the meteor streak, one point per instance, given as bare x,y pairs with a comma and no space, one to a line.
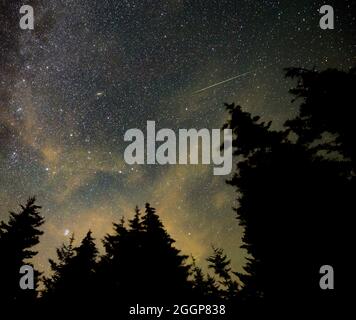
221,82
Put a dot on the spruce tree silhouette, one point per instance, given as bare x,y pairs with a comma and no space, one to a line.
205,288
295,202
169,273
72,282
141,265
228,287
135,223
55,285
17,238
221,265
113,272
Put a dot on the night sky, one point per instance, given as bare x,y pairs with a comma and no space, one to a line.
93,69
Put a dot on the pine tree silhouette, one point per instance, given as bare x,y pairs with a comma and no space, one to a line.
55,286
141,265
73,279
169,273
135,223
205,288
221,265
295,194
17,238
113,271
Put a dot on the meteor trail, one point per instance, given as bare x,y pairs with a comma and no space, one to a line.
221,82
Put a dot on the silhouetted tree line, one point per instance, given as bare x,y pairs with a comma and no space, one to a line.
296,201
140,265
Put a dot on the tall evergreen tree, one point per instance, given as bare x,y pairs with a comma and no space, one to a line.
17,238
205,288
221,266
295,196
141,265
167,271
135,223
55,285
114,272
73,279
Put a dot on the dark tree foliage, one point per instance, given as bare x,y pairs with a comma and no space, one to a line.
221,265
141,265
205,287
17,238
73,275
53,284
169,266
296,191
327,110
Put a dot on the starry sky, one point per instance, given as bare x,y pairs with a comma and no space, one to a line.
92,69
